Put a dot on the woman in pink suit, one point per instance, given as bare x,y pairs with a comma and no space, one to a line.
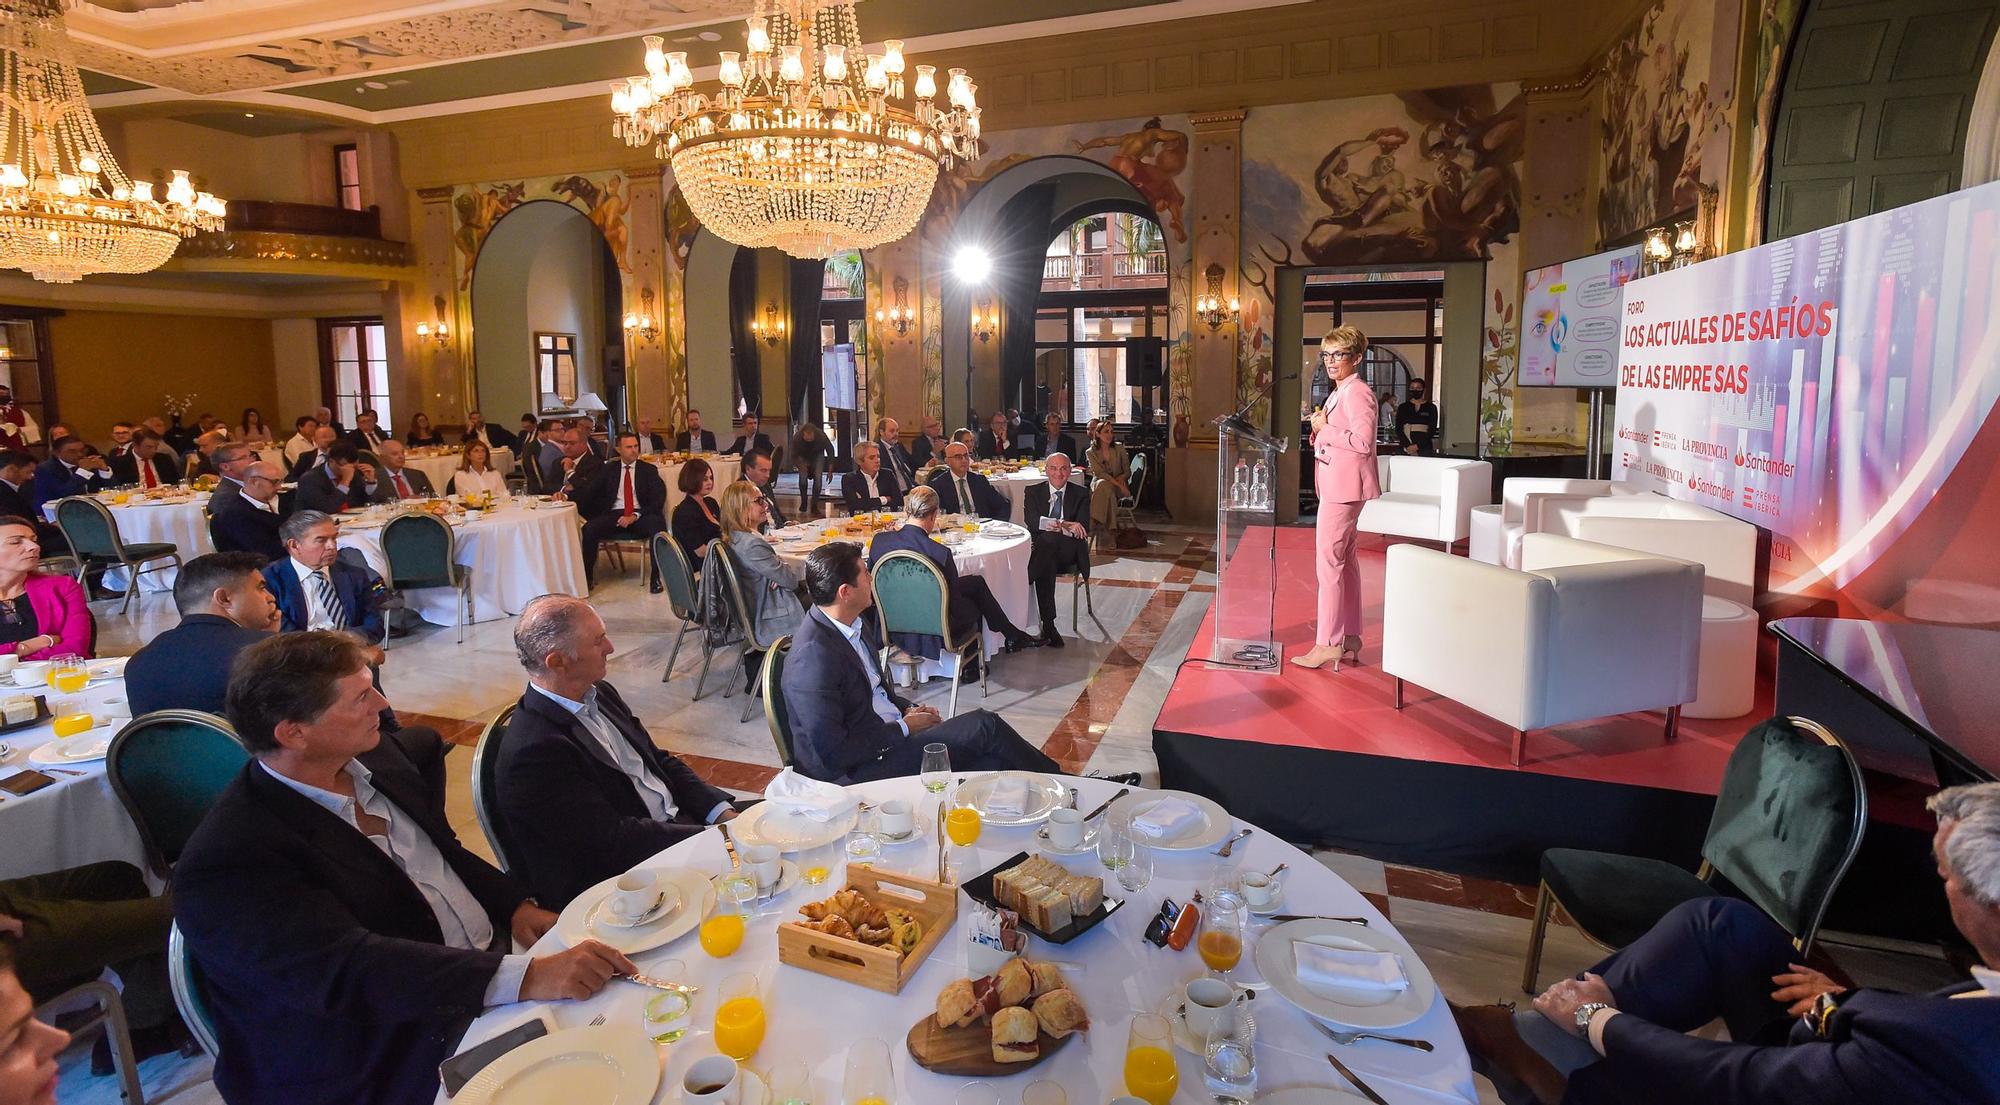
40,615
1343,441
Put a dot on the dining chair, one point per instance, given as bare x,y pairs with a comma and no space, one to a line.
1787,824
744,616
103,1007
485,765
421,552
776,715
92,533
1122,512
184,980
677,576
911,596
167,768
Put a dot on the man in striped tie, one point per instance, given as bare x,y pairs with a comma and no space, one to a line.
315,589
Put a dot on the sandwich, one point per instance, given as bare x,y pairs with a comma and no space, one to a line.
957,1006
1014,983
1059,1013
1015,1032
1046,977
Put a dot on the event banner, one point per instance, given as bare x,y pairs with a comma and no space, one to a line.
1823,387
1570,316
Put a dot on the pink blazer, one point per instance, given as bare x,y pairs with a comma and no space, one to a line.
63,612
1345,446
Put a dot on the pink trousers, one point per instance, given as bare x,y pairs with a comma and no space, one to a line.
1339,572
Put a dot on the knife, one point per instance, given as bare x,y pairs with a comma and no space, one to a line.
1356,1079
1281,918
660,983
942,841
1122,792
729,843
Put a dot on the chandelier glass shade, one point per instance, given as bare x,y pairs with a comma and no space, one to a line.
66,209
810,144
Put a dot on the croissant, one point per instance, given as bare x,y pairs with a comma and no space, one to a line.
832,925
817,911
871,934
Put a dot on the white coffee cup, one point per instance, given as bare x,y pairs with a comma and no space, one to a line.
7,663
31,673
762,862
1205,999
633,894
1260,890
1066,828
712,1080
896,820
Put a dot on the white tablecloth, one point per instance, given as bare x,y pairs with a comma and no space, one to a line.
514,554
79,819
728,469
814,1019
183,525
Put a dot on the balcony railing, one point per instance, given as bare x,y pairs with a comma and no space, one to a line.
1088,271
265,235
272,217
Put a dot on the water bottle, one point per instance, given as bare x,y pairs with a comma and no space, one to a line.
1239,487
1260,486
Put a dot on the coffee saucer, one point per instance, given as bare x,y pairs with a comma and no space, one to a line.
915,834
669,897
1087,844
1275,905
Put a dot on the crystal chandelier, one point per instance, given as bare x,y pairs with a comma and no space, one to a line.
66,209
810,144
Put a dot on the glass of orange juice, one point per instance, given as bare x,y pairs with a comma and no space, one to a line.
962,825
817,864
1221,939
69,675
739,1017
1150,1071
722,929
72,717
971,524
869,1079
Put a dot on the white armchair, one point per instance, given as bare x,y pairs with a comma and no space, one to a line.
1496,529
1428,498
1584,631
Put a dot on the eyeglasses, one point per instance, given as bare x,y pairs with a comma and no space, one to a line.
760,501
1338,354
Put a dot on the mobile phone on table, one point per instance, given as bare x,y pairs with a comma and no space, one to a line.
456,1071
26,782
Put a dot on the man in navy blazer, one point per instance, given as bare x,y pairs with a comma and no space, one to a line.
896,459
1057,514
971,597
312,553
247,519
977,495
749,439
225,607
869,486
145,453
1619,1033
582,791
70,471
694,439
847,725
627,500
1052,439
344,482
341,934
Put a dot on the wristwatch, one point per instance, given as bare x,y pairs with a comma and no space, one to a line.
1586,1011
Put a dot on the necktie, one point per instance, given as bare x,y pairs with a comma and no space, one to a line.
964,497
402,486
631,503
147,476
1055,502
329,598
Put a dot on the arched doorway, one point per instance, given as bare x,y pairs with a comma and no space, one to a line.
1101,322
546,293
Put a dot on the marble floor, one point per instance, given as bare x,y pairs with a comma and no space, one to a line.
1091,706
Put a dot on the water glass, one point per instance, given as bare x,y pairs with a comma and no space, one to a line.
1044,1092
790,1083
816,864
1114,844
1135,869
864,846
1229,1063
670,1013
935,769
976,1093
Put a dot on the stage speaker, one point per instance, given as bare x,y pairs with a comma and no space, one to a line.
1143,357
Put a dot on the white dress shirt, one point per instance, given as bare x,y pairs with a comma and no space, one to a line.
868,478
460,917
297,447
318,615
884,709
652,789
260,504
467,482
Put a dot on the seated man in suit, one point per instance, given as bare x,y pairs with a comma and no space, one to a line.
648,440
847,726
996,441
749,439
225,606
930,444
121,439
1057,515
230,460
201,462
694,439
70,470
626,502
367,435
316,589
576,467
758,470
495,437
581,790
145,465
324,438
963,491
895,459
1052,440
971,598
342,934
869,486
17,475
1619,1032
248,519
344,482
397,481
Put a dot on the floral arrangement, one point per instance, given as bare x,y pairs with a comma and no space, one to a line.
178,406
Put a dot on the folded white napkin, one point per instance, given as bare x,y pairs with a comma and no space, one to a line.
1008,796
811,799
1329,971
1167,817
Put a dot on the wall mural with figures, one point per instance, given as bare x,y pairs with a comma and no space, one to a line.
1666,90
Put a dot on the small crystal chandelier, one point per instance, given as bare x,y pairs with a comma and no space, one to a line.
810,144
66,209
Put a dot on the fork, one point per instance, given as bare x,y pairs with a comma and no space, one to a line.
1351,1037
597,1020
1230,844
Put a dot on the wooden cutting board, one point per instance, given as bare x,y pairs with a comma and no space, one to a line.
968,1052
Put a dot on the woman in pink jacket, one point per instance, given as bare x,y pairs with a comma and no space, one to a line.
40,615
1343,441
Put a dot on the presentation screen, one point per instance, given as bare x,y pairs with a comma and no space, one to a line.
836,374
1569,320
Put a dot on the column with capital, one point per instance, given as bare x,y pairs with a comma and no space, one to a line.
1203,383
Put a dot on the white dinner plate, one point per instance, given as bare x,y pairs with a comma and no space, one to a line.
1363,1009
1044,794
788,830
1309,1095
91,744
1216,824
110,667
696,897
602,1064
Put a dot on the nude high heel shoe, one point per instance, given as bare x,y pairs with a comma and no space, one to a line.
1319,657
1350,650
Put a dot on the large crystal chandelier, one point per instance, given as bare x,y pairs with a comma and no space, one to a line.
810,144
66,209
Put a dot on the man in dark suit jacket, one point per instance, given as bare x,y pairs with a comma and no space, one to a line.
1618,1034
1052,440
870,486
344,482
70,471
366,435
896,460
582,791
312,553
17,475
626,501
649,442
1057,514
495,437
978,496
971,597
247,519
342,934
225,607
749,439
396,480
694,439
575,468
758,470
929,445
324,439
144,457
996,441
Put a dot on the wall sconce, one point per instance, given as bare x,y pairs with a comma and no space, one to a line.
985,321
1209,308
1684,239
902,314
438,332
641,325
771,328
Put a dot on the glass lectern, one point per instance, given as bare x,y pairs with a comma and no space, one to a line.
1246,546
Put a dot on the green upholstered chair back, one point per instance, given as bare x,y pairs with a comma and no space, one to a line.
89,527
676,574
775,714
485,766
910,595
418,548
167,768
741,611
1788,821
184,978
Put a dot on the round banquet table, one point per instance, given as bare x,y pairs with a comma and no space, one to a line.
1001,560
813,1019
728,469
440,467
181,524
1014,485
78,820
512,552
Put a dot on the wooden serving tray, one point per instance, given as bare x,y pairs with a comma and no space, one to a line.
933,903
968,1052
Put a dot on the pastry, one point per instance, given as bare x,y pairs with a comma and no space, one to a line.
833,925
1060,1013
1013,983
956,1005
1046,976
1015,1032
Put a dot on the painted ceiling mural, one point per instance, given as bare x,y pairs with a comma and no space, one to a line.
477,208
1666,92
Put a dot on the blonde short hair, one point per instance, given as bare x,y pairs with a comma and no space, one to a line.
736,500
1344,339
